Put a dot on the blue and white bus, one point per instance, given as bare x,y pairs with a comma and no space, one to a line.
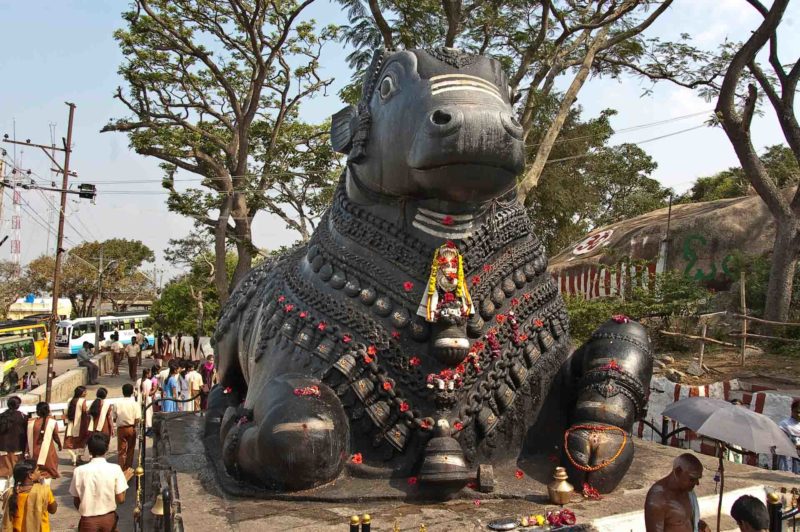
72,333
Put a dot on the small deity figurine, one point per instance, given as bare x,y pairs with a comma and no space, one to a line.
447,304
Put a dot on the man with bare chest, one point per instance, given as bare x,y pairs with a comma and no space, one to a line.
671,505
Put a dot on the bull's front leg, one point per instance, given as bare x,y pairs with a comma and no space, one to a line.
612,388
295,436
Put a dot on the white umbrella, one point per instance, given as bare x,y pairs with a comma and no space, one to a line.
732,425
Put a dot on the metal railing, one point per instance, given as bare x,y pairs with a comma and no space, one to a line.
778,519
169,521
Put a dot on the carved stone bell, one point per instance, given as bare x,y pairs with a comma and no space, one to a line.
444,464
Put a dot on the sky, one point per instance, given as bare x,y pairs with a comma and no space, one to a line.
53,52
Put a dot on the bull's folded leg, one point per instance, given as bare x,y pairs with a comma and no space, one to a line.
296,437
612,388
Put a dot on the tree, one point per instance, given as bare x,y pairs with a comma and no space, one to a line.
778,160
12,286
537,41
214,89
591,184
734,75
122,281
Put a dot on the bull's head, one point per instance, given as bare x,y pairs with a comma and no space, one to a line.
433,124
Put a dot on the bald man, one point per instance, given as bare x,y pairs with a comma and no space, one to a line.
671,505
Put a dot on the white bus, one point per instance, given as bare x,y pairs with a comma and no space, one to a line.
72,333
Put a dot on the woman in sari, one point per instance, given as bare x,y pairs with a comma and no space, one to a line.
101,419
144,395
42,441
13,439
209,374
77,424
171,390
27,505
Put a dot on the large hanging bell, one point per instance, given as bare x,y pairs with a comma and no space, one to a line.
444,465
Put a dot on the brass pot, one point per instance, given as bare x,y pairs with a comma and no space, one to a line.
560,491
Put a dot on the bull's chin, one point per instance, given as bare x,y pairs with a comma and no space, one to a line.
471,183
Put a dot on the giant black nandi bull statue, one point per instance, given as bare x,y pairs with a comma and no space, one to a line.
418,333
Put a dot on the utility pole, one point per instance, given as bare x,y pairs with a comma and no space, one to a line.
86,191
98,337
59,251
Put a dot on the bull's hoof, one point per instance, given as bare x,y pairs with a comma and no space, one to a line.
301,438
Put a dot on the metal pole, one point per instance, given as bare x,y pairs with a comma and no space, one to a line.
743,303
97,335
59,243
703,344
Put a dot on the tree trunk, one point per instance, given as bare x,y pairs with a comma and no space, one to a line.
781,273
545,147
201,313
220,251
244,239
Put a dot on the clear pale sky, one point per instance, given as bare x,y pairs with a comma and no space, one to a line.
57,51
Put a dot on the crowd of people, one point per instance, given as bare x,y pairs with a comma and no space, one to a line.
179,379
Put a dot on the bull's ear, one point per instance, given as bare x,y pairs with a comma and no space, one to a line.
342,130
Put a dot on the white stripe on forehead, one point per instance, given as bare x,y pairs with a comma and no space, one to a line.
465,77
469,88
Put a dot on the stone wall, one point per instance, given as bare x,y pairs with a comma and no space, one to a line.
64,384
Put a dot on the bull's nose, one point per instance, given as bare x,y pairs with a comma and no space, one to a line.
444,121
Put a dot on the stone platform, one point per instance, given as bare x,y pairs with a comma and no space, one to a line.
211,500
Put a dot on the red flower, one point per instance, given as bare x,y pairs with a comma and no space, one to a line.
312,390
442,261
475,280
477,346
458,426
368,359
387,385
519,474
281,299
514,301
404,407
452,276
356,458
487,268
500,318
538,323
449,297
414,361
227,390
347,339
288,308
412,481
522,337
591,493
372,350
620,318
322,326
611,366
408,286
396,335
450,244
425,424
526,296
476,502
447,220
461,368
303,314
472,485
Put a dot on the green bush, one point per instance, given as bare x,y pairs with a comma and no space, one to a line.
670,296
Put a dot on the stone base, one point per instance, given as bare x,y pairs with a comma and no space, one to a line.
217,500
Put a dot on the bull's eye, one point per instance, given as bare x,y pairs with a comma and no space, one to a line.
386,87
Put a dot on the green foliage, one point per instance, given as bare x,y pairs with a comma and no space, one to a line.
589,183
670,295
123,281
779,161
176,309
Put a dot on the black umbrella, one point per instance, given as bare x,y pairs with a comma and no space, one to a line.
730,424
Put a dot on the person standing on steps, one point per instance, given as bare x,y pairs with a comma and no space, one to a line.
139,342
13,438
77,424
128,415
42,442
133,352
144,394
97,488
100,418
116,352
